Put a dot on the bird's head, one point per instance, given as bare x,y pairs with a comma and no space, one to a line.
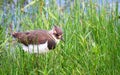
57,33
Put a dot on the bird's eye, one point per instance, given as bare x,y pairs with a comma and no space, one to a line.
57,35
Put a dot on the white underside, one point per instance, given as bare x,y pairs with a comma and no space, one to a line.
42,48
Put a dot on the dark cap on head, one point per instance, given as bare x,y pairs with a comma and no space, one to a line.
58,30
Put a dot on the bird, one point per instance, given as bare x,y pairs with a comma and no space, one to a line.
39,41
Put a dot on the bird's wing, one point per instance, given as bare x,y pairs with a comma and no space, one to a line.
37,37
32,37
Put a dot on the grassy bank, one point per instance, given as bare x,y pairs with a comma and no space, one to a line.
92,41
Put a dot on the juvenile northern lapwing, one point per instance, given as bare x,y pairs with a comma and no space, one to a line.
39,41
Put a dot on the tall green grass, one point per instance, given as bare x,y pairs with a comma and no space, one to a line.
91,47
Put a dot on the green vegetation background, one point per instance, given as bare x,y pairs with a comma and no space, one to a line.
92,40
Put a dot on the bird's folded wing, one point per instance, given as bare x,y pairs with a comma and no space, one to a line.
33,37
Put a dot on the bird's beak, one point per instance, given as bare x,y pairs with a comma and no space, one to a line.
62,39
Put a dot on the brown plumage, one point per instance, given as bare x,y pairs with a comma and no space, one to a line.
34,37
37,37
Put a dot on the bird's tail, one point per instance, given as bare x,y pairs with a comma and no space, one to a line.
14,34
